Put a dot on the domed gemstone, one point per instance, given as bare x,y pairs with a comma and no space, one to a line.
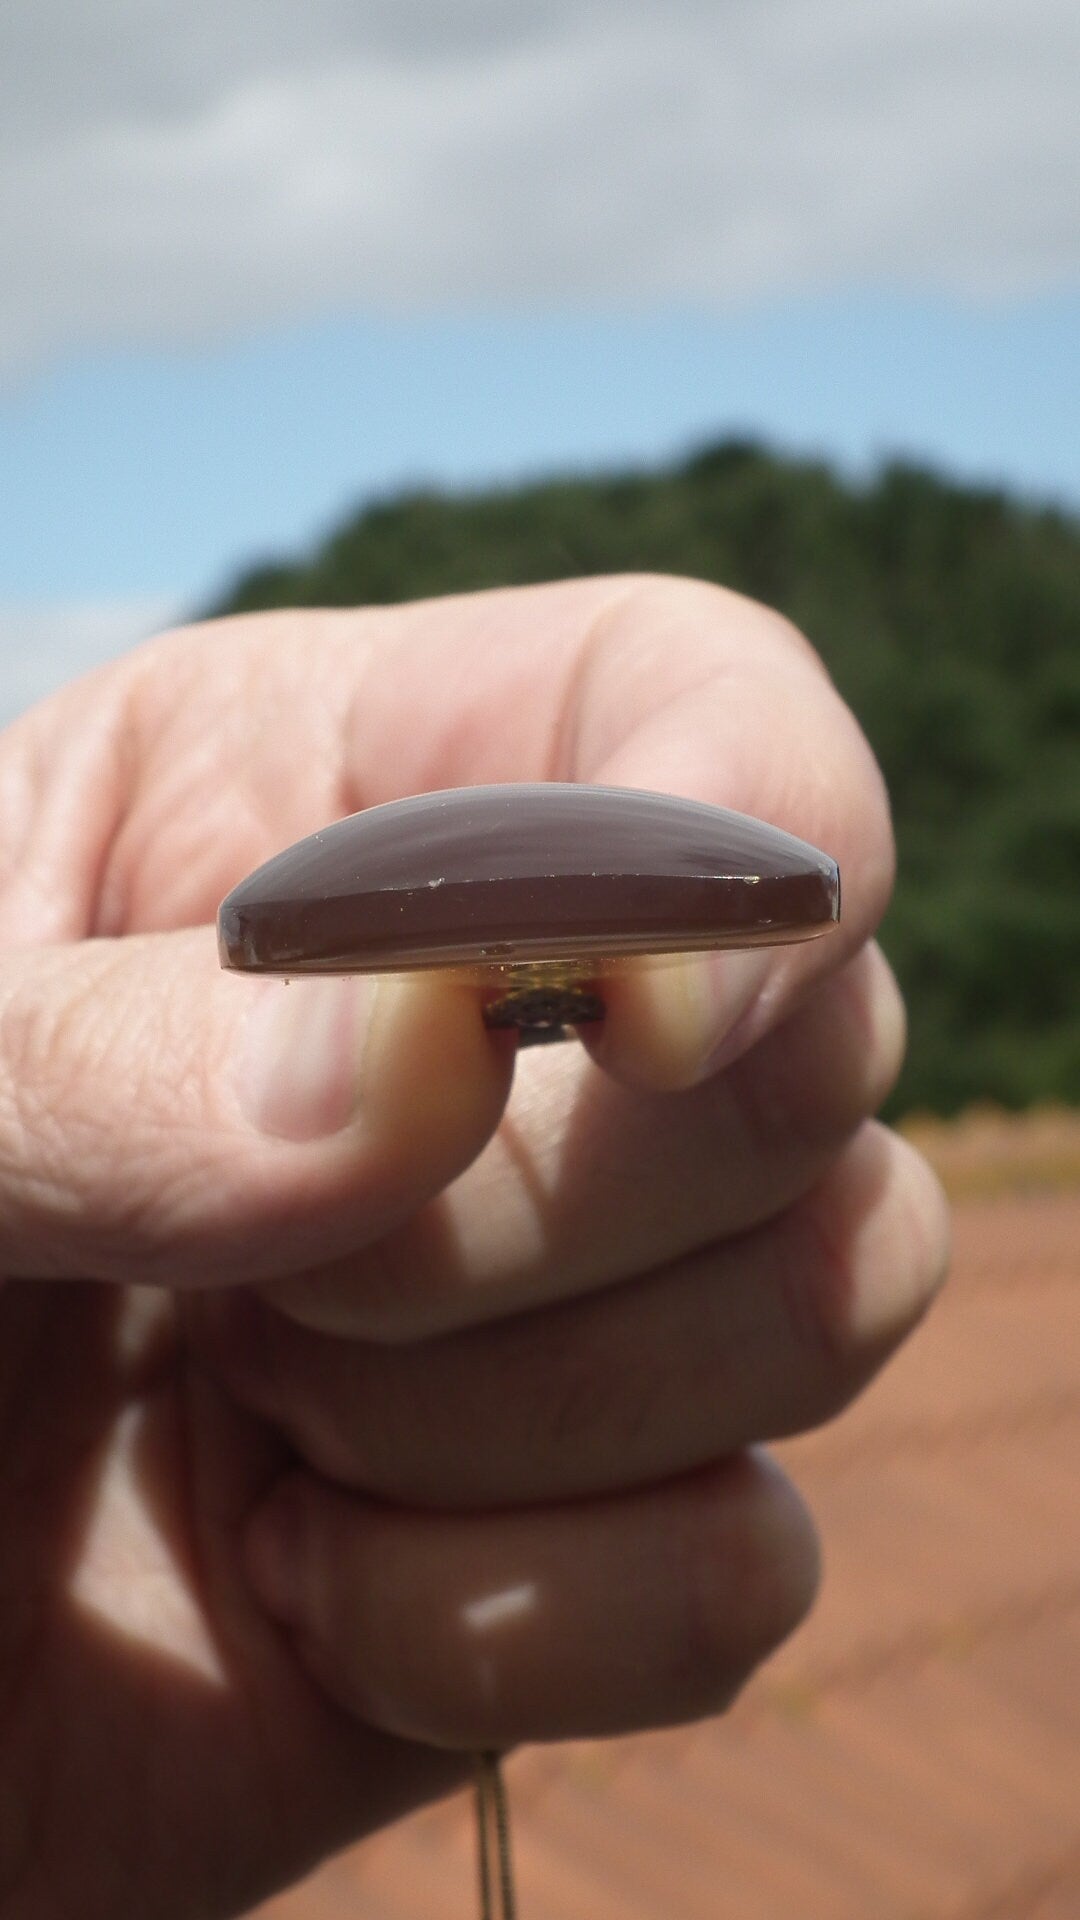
507,875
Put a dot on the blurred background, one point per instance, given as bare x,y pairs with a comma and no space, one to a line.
343,303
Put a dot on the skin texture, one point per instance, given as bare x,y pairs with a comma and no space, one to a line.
364,1397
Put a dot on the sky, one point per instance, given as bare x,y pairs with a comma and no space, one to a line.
263,261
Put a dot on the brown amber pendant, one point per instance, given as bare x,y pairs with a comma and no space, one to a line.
537,891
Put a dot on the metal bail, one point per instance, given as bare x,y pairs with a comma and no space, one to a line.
544,1000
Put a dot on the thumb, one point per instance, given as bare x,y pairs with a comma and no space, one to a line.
162,1121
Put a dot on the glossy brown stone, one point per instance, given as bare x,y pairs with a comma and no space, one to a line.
490,877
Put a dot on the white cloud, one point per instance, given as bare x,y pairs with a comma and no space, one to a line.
175,173
45,644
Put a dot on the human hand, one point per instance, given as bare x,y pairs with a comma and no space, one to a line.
499,1474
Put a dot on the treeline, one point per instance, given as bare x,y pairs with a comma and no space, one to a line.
949,618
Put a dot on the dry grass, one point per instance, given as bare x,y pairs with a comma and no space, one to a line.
987,1152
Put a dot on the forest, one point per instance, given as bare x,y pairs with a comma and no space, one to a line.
949,617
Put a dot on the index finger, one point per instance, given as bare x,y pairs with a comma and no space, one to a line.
764,731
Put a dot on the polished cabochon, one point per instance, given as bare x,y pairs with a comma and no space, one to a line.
498,876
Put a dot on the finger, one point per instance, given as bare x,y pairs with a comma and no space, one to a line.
765,733
162,1121
746,1341
586,1183
485,1629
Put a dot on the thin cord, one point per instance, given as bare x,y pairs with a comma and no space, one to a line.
493,1826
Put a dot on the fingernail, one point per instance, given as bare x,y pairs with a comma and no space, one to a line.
301,1055
734,984
273,1556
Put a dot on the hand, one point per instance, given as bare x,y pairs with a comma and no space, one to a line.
437,1425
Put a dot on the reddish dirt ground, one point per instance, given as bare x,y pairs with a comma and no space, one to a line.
914,1752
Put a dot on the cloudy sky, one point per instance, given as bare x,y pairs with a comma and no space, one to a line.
260,259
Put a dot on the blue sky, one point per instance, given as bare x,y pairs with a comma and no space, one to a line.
156,475
275,261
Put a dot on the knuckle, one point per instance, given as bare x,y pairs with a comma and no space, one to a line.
818,1278
885,1016
866,1255
926,1213
754,1573
810,1083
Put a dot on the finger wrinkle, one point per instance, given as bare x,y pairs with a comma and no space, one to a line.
578,1393
64,790
633,633
822,1290
563,757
